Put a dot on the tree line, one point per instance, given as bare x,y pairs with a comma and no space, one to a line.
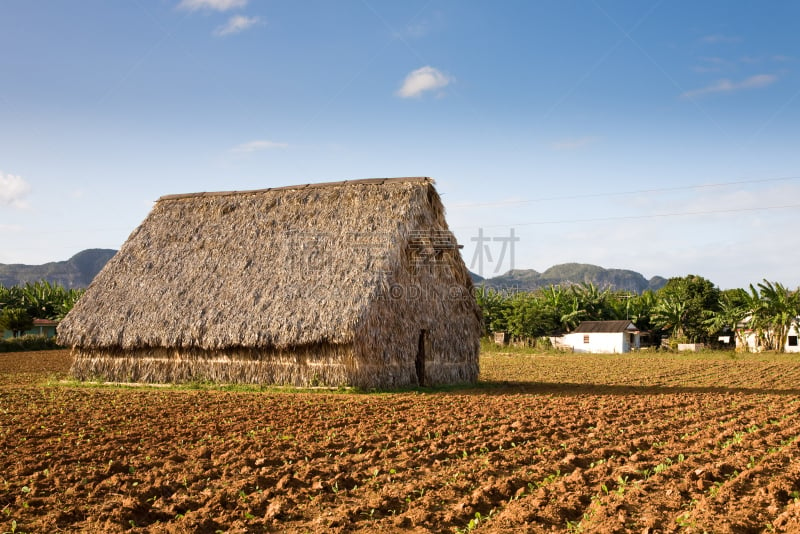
21,304
687,309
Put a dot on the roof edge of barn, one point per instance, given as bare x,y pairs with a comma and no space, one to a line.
365,181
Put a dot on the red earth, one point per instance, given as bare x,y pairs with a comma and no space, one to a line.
517,453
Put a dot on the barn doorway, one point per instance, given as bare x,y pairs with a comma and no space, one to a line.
419,363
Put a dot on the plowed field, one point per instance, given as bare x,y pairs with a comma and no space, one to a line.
546,443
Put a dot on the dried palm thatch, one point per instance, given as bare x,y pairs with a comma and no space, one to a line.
348,283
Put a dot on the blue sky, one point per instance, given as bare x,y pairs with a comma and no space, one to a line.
655,136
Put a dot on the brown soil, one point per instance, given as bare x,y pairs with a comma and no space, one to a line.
522,457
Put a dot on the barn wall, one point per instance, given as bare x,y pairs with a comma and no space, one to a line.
436,299
346,311
314,365
793,331
600,342
388,340
752,343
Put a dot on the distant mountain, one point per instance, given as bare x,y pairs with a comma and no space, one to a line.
80,270
76,272
569,274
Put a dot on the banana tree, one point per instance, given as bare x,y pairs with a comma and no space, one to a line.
779,309
670,314
735,308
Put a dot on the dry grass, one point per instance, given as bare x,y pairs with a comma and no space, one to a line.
331,283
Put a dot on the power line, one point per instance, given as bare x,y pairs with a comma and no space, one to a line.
621,193
649,216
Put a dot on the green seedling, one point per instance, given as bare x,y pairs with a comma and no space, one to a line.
660,468
622,483
684,521
575,526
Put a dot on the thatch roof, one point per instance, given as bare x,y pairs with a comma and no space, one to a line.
275,268
599,327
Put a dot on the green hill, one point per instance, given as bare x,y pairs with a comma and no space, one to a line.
80,270
76,272
567,274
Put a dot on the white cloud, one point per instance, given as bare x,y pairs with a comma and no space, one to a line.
572,144
778,58
423,79
255,146
13,190
713,64
216,5
727,86
237,24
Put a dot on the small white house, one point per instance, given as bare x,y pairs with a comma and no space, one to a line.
748,340
603,337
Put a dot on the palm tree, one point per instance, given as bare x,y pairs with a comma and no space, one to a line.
735,307
670,314
563,306
619,305
641,309
493,306
41,300
66,302
572,316
779,309
593,301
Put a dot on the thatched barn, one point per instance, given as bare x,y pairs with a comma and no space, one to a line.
348,283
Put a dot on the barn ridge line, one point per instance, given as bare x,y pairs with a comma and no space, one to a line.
365,181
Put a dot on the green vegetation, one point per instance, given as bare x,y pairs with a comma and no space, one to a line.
683,305
687,309
551,310
20,305
40,300
15,319
27,343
